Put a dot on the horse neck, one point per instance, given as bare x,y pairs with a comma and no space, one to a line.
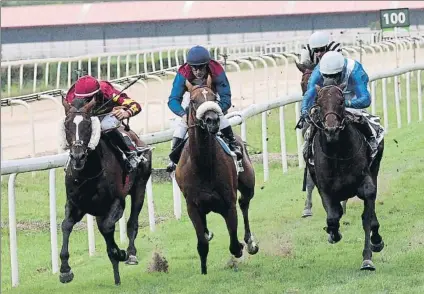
348,143
202,149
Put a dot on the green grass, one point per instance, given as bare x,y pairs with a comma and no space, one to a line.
294,255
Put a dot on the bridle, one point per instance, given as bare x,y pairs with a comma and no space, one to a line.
199,122
321,120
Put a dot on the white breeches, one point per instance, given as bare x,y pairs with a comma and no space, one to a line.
181,129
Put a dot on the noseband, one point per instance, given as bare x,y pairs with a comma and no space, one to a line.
200,122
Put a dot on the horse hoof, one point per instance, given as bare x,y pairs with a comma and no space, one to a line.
252,247
377,247
132,260
367,265
333,240
209,236
66,277
118,283
307,213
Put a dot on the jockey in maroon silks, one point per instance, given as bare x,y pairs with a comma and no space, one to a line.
109,100
199,65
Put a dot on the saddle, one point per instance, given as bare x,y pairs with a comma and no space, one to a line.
176,153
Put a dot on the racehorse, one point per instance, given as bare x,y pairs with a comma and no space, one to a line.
306,70
96,184
340,155
208,178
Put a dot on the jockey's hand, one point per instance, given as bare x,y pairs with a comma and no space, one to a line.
184,117
120,113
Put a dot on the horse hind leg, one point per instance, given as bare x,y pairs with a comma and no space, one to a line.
244,203
307,211
106,227
137,200
72,216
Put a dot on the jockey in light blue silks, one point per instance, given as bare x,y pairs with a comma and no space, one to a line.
199,65
334,66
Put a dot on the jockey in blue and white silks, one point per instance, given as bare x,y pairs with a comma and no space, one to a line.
334,66
199,65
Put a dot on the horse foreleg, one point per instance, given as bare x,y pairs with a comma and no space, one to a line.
106,227
368,192
137,200
72,216
196,218
244,202
236,248
334,213
307,211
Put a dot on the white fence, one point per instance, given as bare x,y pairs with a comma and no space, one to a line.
271,54
13,167
148,61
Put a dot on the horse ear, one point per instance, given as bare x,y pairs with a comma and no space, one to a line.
66,105
209,81
300,66
88,107
189,86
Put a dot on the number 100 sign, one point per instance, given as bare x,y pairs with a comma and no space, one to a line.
391,18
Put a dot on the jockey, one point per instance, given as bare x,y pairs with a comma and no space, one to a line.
318,44
120,106
344,71
199,65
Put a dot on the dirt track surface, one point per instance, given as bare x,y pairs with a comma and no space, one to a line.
15,123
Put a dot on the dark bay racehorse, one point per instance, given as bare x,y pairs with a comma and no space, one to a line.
207,175
96,184
342,168
306,70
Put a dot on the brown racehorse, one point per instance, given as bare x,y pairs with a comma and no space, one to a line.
306,70
207,175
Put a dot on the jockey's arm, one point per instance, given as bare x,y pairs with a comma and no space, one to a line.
176,97
304,56
223,88
132,107
311,92
362,95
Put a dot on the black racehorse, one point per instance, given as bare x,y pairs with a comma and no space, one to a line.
97,184
340,154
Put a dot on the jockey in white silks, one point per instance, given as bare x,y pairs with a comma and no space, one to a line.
335,66
318,44
199,65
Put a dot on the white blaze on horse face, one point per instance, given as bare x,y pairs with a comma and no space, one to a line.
204,92
77,120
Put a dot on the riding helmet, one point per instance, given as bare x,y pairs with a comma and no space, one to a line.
86,86
198,55
331,63
319,40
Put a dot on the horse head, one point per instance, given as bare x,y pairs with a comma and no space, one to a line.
306,69
204,110
81,131
330,107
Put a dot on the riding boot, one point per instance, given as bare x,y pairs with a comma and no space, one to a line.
228,133
175,142
363,126
307,145
131,160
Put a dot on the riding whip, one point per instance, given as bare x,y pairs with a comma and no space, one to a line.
115,98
